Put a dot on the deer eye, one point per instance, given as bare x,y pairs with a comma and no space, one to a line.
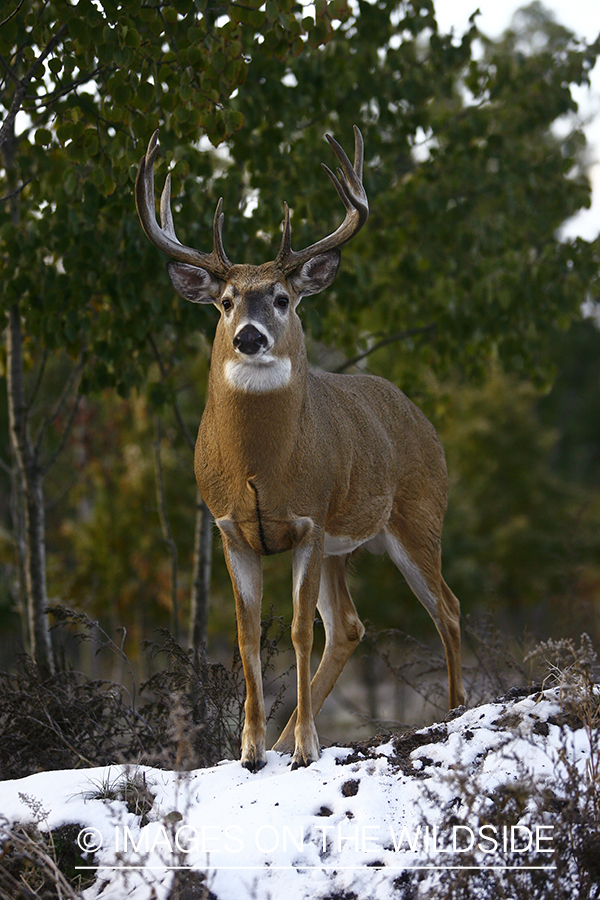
282,302
226,304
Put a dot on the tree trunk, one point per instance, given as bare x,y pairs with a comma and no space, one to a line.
18,519
203,539
30,479
166,531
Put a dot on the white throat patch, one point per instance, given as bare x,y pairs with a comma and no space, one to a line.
259,376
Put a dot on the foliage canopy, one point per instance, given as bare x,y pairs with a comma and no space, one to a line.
460,265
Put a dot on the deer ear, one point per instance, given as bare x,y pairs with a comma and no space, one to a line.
316,274
194,283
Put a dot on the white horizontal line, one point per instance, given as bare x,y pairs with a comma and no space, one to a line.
320,868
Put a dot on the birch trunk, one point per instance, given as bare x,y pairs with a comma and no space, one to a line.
29,478
31,482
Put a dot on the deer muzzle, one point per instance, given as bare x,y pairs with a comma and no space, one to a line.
250,341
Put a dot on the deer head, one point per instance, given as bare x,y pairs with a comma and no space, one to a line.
259,332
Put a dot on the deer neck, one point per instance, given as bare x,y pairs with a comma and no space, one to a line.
256,430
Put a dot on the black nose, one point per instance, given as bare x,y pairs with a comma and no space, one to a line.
249,340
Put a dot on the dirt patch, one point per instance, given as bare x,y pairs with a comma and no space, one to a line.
403,743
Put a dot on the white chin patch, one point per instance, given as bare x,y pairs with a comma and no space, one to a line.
259,376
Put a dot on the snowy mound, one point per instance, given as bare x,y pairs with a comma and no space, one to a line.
370,821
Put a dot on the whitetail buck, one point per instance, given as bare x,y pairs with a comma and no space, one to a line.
315,463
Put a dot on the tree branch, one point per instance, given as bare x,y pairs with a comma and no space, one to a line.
38,380
12,14
16,191
10,72
185,431
390,339
48,98
66,393
21,92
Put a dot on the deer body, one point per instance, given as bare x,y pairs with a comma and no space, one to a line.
316,463
251,465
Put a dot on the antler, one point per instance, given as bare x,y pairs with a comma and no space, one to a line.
348,185
352,194
163,237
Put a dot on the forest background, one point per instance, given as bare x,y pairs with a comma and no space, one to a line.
460,290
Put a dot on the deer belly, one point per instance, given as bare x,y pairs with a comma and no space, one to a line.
338,545
351,528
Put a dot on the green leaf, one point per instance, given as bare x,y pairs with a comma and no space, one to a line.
246,16
272,11
43,137
64,132
234,120
145,94
133,38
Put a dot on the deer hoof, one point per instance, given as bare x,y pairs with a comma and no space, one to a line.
254,765
301,758
254,761
301,763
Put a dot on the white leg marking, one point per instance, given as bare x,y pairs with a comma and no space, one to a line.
245,578
303,528
300,560
412,573
324,606
245,567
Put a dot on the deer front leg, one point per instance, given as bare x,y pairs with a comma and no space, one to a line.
245,571
307,560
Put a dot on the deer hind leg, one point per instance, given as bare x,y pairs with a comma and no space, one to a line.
421,566
343,631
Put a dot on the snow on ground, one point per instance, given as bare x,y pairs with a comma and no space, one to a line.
353,821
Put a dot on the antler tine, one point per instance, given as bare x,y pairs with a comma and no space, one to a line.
359,152
350,189
166,215
218,233
353,173
163,237
286,238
